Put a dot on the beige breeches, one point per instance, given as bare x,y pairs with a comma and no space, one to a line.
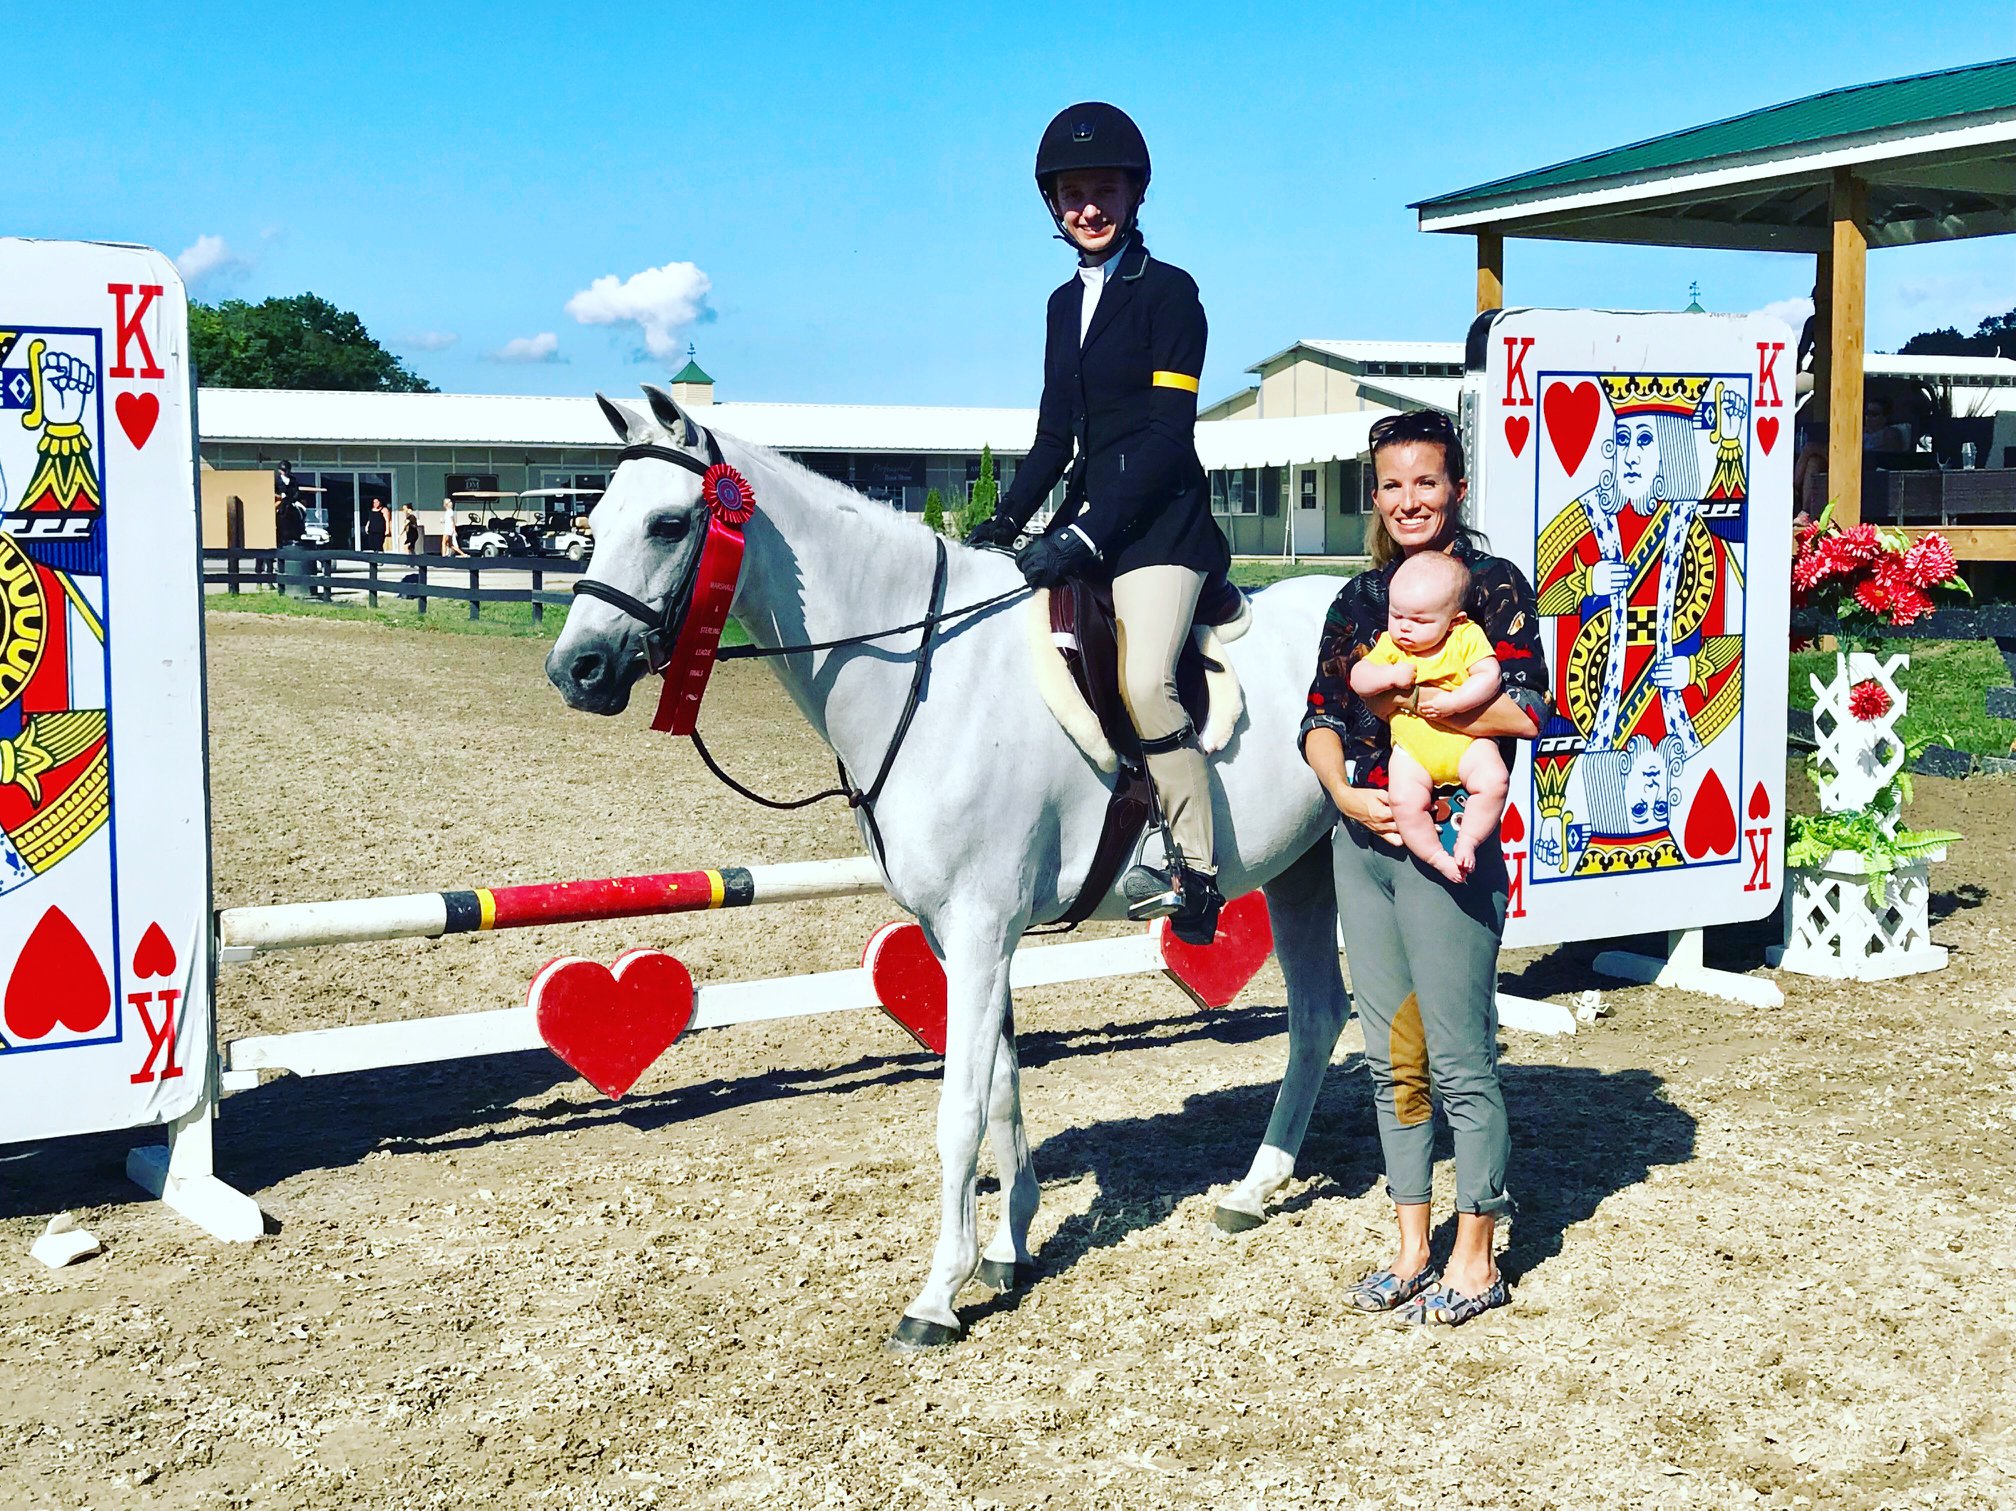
1153,606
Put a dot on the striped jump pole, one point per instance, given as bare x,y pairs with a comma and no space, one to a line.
244,933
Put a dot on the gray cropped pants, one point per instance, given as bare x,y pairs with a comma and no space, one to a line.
1424,978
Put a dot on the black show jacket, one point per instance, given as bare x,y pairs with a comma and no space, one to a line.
1126,402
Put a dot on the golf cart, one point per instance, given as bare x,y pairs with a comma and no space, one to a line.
563,532
500,533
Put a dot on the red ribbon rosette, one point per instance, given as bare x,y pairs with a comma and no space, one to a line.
728,496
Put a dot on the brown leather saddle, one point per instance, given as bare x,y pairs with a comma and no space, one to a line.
1086,634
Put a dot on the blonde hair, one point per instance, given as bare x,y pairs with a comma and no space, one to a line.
1433,428
1455,577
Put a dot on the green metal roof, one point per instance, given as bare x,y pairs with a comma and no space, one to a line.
1918,100
691,373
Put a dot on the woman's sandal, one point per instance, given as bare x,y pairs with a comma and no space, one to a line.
1383,1291
1451,1308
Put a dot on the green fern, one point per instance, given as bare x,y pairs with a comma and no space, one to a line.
1812,838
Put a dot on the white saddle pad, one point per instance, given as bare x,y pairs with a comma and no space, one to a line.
1068,705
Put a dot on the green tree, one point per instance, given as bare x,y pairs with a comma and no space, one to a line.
982,498
302,341
934,512
1993,337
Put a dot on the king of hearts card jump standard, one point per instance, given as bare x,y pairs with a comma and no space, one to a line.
105,1012
1637,467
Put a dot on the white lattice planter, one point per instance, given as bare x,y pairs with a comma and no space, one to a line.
1832,925
1832,928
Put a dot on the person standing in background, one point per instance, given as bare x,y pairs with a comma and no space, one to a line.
410,538
451,543
377,524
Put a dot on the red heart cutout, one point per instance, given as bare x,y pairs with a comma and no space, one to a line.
1767,432
57,979
1571,411
1215,973
909,982
156,956
611,1025
1760,802
137,414
1711,822
1517,428
1511,828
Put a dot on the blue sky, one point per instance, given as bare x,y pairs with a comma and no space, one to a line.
853,182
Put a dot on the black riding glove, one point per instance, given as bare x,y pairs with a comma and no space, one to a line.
1050,559
994,531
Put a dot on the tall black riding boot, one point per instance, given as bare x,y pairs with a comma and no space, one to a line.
1196,920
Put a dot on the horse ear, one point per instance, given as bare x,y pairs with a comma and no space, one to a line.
678,424
620,418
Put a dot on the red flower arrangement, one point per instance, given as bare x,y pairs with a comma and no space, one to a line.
1871,579
1868,700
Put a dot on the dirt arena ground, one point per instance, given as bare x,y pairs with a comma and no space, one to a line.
1764,1258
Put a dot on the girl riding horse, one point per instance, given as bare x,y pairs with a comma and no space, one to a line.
1124,350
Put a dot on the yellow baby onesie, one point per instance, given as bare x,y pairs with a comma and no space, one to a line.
1445,668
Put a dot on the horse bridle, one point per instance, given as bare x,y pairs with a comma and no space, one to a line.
661,630
661,624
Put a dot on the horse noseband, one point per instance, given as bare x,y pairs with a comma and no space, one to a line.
661,624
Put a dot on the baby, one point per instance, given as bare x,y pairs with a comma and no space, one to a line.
1430,647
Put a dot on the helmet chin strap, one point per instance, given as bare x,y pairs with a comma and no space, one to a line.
1120,239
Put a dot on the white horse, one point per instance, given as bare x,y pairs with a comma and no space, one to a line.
990,815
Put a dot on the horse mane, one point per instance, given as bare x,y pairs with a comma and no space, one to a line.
836,495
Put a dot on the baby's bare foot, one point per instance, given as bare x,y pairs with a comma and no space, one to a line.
1465,858
1447,867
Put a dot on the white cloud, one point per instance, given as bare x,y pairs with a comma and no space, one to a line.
544,347
660,302
430,341
209,259
1792,311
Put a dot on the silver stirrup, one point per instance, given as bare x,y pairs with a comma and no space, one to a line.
1150,893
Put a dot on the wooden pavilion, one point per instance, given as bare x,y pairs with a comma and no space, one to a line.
1926,158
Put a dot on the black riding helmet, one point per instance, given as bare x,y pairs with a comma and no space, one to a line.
1090,135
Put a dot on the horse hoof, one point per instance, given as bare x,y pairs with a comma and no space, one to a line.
1005,1275
1232,1220
917,1335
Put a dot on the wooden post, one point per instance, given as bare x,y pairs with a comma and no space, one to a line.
538,608
371,569
1848,257
1490,271
420,599
475,591
1823,335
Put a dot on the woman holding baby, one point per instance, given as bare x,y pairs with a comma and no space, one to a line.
1430,665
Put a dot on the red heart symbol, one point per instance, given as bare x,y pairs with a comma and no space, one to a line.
137,414
156,956
1711,822
1767,432
1215,973
1517,428
611,1025
1760,802
1571,411
909,982
1511,828
57,979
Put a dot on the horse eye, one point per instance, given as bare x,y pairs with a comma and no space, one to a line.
668,527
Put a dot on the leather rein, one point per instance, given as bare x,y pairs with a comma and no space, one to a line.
661,630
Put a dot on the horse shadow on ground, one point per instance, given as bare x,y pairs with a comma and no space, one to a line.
1579,1135
291,1126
